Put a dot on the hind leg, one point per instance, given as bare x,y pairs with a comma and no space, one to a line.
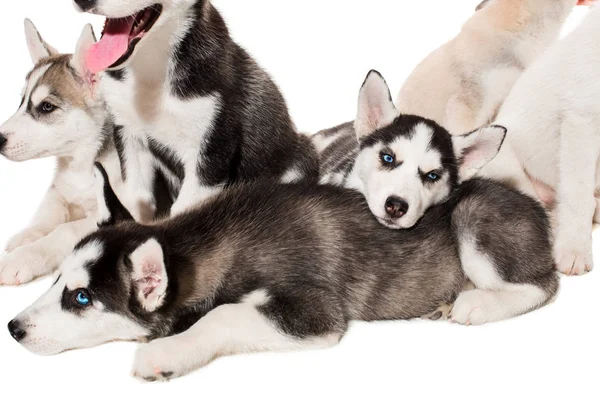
494,299
576,202
254,325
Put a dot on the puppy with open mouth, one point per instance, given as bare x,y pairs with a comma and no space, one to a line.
189,98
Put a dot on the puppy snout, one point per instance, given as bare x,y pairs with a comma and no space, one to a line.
3,141
16,330
85,5
396,208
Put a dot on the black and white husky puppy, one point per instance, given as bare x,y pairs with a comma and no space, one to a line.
275,268
406,166
186,96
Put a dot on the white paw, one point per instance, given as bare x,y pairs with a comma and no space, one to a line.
471,308
22,266
574,259
159,361
24,238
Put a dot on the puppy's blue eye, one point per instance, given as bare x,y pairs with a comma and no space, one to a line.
433,176
388,159
82,299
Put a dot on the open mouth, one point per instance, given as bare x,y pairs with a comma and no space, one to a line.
119,39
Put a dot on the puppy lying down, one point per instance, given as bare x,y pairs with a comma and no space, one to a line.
266,267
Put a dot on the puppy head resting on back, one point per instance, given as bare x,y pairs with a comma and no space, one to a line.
58,115
408,164
112,287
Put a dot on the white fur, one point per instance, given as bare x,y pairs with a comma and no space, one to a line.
68,211
38,48
462,84
493,299
414,158
379,184
227,330
52,329
144,105
292,175
553,120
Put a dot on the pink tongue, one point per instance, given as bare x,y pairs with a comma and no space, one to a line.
111,47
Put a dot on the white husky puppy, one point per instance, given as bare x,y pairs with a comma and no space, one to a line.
462,84
553,120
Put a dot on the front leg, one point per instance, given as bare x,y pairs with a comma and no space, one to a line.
138,172
191,195
194,190
227,330
44,256
51,213
576,203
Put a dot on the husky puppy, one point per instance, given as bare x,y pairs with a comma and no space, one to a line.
462,84
59,116
406,166
273,268
189,97
553,115
403,164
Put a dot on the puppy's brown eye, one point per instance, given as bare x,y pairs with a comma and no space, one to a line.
47,108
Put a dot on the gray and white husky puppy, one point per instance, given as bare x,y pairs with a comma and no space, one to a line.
264,267
185,95
61,116
406,166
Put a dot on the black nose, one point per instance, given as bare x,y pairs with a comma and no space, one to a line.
396,207
86,5
2,141
15,330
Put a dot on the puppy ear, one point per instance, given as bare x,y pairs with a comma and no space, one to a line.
110,209
86,40
375,105
149,275
474,150
482,5
38,48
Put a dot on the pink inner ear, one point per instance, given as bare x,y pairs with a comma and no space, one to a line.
151,278
471,156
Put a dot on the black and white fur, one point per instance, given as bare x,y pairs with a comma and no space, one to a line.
193,101
400,195
264,267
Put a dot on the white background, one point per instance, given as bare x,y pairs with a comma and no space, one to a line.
319,51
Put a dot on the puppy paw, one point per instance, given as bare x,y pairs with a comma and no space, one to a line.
22,266
24,238
574,260
158,361
471,308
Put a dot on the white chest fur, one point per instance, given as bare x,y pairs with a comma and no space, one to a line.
153,112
